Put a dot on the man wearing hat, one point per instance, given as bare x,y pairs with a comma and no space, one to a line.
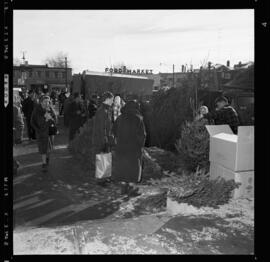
224,114
27,108
75,113
102,131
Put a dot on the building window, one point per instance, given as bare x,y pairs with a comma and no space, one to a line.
47,73
227,76
17,73
30,74
55,74
39,74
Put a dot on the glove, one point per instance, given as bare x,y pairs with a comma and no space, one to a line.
112,141
106,148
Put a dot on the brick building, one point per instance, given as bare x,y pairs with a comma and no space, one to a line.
156,78
38,77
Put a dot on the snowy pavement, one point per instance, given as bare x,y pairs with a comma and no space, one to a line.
227,230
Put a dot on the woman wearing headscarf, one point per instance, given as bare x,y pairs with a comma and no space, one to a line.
199,117
129,133
43,117
118,103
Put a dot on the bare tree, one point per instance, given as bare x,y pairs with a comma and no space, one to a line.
121,65
16,61
58,60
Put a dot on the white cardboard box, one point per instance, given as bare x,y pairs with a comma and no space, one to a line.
246,178
235,152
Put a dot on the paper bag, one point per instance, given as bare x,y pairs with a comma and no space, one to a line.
103,165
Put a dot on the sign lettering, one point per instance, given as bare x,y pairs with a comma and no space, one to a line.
128,71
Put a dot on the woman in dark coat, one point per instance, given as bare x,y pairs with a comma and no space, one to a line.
129,132
43,116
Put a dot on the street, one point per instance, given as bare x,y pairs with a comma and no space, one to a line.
64,211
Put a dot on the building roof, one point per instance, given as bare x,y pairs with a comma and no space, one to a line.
87,72
243,79
38,66
244,66
220,66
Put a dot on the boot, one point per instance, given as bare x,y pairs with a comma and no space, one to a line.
124,189
133,191
44,167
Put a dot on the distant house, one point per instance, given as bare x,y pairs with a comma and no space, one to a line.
243,66
243,79
177,79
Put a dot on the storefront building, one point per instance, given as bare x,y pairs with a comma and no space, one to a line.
40,77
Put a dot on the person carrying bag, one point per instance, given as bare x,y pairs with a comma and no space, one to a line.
102,139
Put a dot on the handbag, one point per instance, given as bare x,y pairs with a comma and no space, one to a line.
52,129
103,165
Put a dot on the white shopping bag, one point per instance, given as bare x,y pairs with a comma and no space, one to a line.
103,165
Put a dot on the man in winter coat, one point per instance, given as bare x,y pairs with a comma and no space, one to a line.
67,103
27,108
61,99
92,106
102,125
129,133
76,113
224,114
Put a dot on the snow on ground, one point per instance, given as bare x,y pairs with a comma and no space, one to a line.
236,210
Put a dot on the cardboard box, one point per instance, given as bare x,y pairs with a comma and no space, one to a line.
235,152
246,178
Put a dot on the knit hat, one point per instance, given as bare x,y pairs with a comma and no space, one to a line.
106,95
43,98
221,99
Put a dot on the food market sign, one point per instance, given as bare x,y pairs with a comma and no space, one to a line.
124,70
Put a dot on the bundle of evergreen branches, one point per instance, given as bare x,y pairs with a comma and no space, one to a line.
206,192
193,146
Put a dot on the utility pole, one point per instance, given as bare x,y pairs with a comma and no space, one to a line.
66,74
23,58
173,75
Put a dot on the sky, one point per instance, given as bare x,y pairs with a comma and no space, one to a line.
141,39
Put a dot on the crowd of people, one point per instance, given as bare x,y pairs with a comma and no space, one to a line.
119,126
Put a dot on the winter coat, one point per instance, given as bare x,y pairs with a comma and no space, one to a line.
62,98
41,127
28,107
67,103
225,116
75,118
129,132
92,108
102,129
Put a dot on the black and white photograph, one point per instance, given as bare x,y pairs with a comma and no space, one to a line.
133,132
